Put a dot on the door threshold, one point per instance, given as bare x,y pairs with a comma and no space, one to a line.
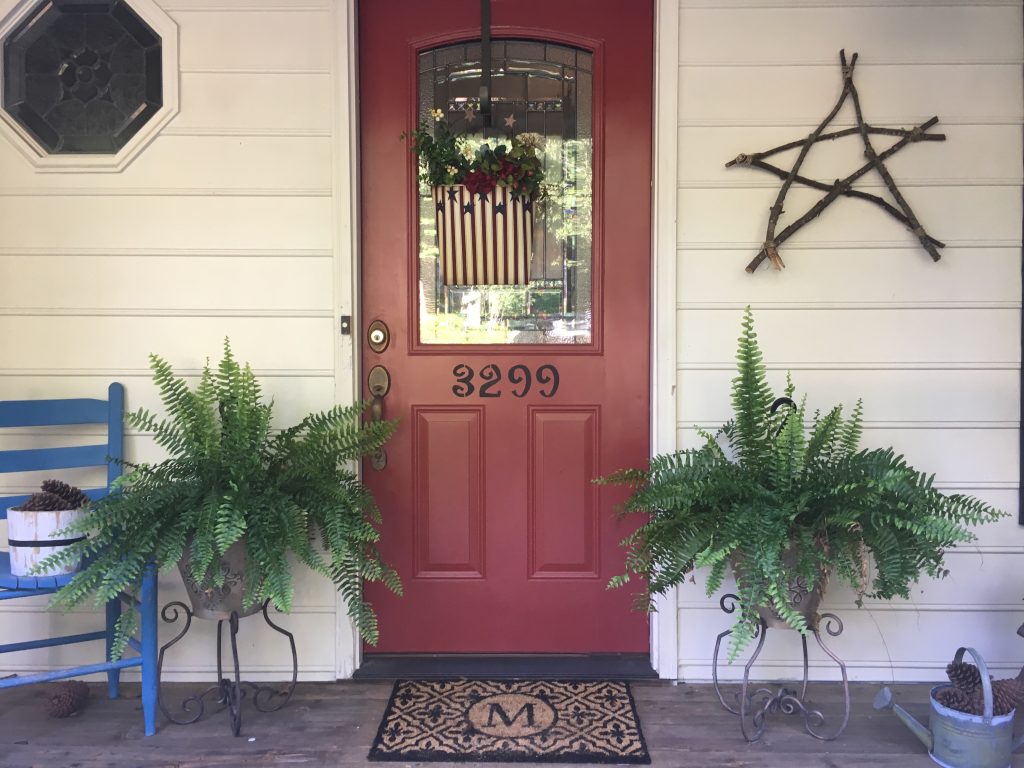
440,666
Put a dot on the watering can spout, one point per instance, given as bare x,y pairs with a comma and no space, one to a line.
884,700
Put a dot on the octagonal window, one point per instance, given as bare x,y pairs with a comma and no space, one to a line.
82,76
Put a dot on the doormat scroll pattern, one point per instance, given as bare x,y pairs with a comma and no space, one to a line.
527,721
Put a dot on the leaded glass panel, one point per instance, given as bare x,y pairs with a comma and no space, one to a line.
540,88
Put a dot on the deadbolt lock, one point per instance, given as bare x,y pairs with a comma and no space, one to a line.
378,336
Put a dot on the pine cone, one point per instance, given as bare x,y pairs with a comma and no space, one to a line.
1005,695
72,495
43,501
954,698
964,676
67,698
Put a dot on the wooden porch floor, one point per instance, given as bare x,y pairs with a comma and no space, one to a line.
333,724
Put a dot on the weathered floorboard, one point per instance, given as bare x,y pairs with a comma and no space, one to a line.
333,724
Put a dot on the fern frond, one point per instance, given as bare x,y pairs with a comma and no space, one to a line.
786,502
227,477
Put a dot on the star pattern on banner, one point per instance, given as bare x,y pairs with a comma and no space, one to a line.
510,121
901,211
470,113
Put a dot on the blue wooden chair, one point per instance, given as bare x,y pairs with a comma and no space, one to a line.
47,413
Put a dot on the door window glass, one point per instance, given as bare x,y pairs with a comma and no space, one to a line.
539,88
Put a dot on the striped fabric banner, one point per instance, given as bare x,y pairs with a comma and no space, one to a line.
483,240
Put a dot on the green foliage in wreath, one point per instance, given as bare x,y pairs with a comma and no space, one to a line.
228,474
782,499
448,158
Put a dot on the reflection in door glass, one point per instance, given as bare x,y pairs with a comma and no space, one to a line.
537,88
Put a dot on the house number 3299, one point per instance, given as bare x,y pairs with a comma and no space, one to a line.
520,379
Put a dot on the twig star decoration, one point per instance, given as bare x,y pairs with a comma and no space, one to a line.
840,187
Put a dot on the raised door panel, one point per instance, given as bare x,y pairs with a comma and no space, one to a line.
563,526
448,517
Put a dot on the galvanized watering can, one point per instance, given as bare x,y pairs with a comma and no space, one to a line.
956,739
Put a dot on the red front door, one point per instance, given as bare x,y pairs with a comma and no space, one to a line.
511,399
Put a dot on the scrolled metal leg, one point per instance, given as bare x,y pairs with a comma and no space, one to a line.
233,689
834,627
746,700
714,672
754,707
789,703
727,604
266,698
220,650
222,698
230,689
170,614
803,687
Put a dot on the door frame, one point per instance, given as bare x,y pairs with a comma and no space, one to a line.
664,647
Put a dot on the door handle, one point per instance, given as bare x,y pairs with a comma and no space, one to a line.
379,384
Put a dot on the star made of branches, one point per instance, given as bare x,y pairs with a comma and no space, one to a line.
840,187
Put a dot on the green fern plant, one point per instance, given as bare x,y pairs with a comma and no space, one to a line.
779,496
228,474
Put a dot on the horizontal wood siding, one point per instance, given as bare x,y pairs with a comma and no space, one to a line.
222,226
861,311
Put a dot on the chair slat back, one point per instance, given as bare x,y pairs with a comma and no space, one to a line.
51,413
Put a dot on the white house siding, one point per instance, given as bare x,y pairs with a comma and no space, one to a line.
232,222
223,226
861,311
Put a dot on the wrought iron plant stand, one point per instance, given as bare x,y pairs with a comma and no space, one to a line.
753,705
230,692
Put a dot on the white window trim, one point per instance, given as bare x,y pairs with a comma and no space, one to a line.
664,623
345,166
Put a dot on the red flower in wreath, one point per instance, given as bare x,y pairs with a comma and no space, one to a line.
510,169
479,183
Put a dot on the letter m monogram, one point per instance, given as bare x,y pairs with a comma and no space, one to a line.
497,709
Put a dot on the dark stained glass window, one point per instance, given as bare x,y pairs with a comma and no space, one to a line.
82,76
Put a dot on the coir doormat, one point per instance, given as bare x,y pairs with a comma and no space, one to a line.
510,721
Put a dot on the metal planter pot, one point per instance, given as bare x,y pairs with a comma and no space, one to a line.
804,599
219,602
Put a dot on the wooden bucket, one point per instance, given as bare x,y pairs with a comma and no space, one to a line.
33,536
